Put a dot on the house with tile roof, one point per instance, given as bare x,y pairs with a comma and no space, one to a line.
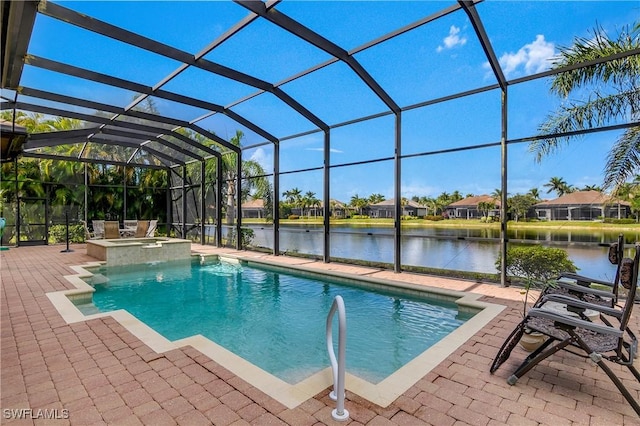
467,208
386,209
583,205
253,209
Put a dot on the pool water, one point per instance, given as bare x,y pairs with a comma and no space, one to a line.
274,320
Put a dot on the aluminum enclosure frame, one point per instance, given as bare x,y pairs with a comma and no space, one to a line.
18,19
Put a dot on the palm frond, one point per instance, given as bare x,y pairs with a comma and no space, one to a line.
617,72
623,161
574,117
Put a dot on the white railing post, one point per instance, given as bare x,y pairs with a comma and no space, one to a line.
338,367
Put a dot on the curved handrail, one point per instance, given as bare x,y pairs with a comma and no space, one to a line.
338,366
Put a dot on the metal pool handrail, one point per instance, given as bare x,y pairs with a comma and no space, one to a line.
338,367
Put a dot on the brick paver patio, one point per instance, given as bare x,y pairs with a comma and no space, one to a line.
97,372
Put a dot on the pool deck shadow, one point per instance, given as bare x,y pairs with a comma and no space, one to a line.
99,372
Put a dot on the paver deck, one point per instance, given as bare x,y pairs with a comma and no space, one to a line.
97,372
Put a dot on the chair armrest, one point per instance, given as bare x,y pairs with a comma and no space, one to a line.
574,322
583,279
576,303
584,289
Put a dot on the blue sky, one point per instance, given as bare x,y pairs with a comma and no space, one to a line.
435,60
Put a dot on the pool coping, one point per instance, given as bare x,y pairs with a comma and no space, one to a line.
382,393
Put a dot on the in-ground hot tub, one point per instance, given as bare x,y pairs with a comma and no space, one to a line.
139,250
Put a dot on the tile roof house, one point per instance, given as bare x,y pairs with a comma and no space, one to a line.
253,209
467,208
583,205
338,210
386,208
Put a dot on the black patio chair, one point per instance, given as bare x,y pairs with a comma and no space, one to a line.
580,286
598,341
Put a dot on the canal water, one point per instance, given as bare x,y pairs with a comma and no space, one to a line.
473,250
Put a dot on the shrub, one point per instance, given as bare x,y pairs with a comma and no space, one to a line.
620,221
246,235
293,217
360,216
433,218
537,264
58,233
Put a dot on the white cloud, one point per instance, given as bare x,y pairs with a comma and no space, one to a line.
261,157
322,149
530,59
452,40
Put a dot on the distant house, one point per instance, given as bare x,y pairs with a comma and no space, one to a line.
253,209
338,210
467,208
386,208
583,205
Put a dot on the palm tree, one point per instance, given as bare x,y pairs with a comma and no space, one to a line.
591,188
358,203
484,207
535,193
293,196
376,198
558,185
456,196
620,99
310,200
252,172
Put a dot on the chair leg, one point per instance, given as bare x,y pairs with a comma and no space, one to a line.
621,387
634,371
505,351
598,359
537,356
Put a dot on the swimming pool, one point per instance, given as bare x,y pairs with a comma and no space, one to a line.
275,320
399,303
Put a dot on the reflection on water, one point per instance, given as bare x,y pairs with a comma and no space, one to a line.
446,248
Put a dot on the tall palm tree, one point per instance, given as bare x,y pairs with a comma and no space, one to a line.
358,203
535,193
309,200
557,185
376,198
293,196
615,95
591,188
456,196
252,172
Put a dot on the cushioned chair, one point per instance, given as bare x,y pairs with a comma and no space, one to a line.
111,229
141,228
598,341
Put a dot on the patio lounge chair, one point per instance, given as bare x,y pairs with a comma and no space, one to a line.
153,225
580,286
130,224
141,228
98,228
111,229
88,235
598,341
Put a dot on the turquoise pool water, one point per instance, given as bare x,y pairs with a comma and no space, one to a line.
275,320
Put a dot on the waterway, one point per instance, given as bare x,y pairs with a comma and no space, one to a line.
473,250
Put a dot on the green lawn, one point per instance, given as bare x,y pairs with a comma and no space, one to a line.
462,223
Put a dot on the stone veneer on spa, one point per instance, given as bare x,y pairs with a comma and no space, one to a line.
139,250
